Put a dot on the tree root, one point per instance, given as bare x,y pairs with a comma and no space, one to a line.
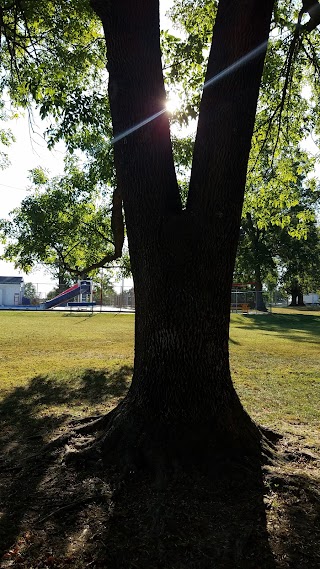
269,440
91,425
270,435
67,507
128,440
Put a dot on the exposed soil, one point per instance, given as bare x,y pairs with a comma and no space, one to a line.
56,514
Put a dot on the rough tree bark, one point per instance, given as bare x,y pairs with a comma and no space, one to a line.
182,403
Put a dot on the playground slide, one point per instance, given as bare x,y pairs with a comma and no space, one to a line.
66,295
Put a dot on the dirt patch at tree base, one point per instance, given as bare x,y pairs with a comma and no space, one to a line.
58,515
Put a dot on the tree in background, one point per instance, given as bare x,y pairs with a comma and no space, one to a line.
53,56
30,292
278,258
300,264
64,225
279,205
102,289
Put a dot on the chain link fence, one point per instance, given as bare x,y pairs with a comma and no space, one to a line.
119,296
110,296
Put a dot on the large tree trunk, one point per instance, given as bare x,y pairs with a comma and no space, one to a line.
296,294
260,304
182,398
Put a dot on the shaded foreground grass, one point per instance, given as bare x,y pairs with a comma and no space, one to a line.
60,367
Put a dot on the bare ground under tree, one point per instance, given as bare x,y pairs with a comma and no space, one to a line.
58,514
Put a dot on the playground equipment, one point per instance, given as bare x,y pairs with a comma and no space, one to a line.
82,290
243,298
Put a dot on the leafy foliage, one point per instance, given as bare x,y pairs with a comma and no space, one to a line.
53,55
6,138
30,291
63,224
301,261
281,192
279,220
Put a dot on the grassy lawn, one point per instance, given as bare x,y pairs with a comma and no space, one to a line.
42,343
76,363
56,367
275,361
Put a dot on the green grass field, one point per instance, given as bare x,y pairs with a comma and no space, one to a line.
62,364
57,368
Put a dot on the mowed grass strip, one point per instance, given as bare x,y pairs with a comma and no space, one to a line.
275,362
55,364
75,363
33,343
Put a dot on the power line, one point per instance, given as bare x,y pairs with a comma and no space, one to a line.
13,187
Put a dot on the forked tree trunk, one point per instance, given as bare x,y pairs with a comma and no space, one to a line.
296,295
182,397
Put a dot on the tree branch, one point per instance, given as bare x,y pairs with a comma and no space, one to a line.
117,226
314,57
294,47
142,146
227,111
312,7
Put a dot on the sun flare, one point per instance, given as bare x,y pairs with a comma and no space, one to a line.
173,103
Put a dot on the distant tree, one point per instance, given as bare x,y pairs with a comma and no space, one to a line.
254,261
279,205
30,292
300,263
64,225
102,288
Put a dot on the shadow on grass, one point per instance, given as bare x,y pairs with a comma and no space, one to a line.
29,418
81,315
54,515
196,522
296,518
303,507
296,327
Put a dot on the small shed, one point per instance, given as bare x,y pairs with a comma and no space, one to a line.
11,291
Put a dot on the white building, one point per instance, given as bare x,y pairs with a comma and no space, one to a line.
11,291
312,298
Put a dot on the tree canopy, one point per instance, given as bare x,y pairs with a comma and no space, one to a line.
53,55
65,224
